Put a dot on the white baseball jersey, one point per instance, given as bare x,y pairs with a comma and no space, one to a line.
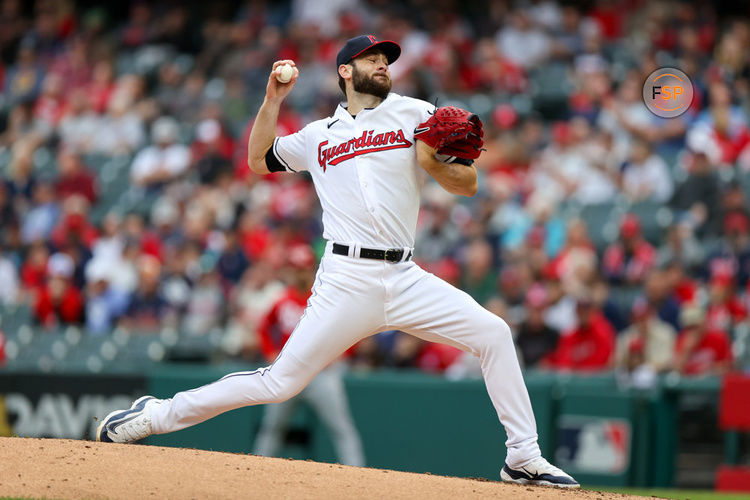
364,169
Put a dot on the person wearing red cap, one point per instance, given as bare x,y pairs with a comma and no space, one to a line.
366,162
629,260
325,393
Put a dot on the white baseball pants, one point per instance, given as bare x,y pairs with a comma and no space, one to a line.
352,299
327,397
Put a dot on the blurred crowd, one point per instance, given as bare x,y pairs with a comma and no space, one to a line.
607,237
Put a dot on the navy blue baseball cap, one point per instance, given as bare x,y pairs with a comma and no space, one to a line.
359,44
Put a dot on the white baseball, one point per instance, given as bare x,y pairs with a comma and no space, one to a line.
285,73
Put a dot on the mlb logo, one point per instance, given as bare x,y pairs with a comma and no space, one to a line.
596,445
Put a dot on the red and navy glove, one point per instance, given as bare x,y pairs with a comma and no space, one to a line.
454,133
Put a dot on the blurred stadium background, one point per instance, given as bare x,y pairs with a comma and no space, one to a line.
137,252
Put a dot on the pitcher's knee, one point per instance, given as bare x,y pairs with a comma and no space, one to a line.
281,389
284,390
496,334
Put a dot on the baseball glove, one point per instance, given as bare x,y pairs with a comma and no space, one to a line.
455,133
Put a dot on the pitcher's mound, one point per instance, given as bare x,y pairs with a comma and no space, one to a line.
62,468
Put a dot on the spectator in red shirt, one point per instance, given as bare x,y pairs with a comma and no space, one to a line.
589,346
725,309
255,235
609,17
700,350
277,326
436,358
684,289
74,177
490,70
725,124
59,302
630,259
325,393
34,268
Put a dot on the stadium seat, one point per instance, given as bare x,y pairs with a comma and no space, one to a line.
45,166
192,348
87,346
142,347
95,161
115,183
550,87
12,317
741,346
744,179
655,218
551,81
35,352
5,157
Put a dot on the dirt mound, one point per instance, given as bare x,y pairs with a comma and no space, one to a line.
62,468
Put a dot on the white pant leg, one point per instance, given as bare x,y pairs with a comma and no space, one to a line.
346,306
273,426
327,395
426,306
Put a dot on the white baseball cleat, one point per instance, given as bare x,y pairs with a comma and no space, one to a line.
538,472
127,426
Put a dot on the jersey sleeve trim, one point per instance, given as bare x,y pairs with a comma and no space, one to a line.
281,162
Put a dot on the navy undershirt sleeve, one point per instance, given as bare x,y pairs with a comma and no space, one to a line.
273,163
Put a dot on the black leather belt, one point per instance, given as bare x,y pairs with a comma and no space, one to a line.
390,255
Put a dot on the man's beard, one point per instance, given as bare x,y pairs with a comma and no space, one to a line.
370,85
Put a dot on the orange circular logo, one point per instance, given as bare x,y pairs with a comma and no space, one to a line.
668,92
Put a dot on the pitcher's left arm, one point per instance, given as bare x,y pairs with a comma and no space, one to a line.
455,178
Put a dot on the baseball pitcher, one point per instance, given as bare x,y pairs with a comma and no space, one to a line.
365,161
